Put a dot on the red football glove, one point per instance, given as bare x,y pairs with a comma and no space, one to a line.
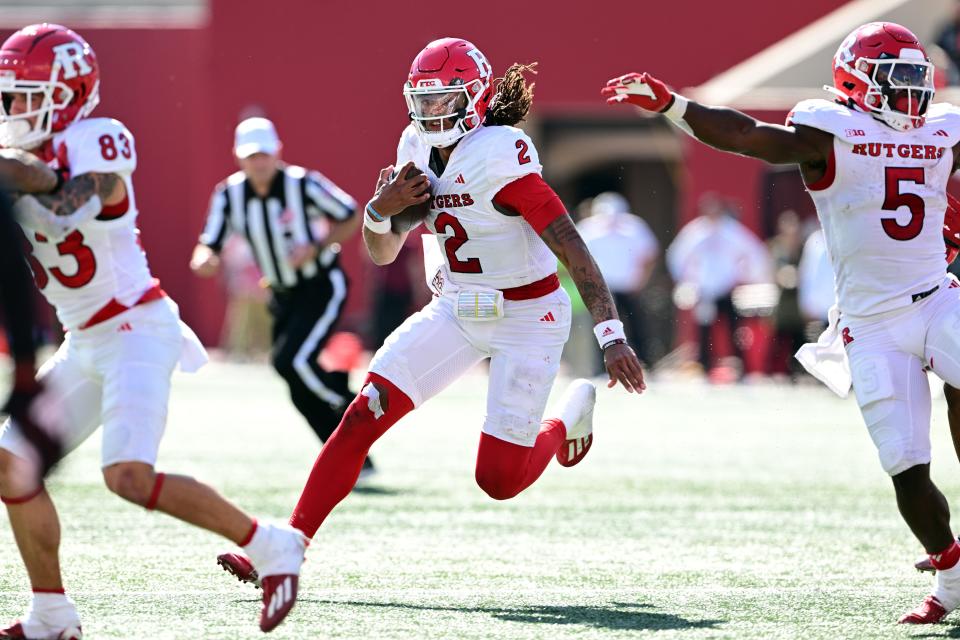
951,228
639,89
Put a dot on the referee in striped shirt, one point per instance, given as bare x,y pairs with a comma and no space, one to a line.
294,220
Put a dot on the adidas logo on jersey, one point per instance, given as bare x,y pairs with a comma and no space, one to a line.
124,328
886,149
450,200
460,179
941,132
548,318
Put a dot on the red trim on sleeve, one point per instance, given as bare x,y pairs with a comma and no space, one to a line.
114,211
828,175
533,199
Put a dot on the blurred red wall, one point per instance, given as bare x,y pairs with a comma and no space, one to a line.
330,75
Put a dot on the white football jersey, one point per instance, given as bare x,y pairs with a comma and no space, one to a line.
882,212
480,245
101,260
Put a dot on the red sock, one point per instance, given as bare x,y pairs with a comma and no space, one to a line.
946,559
338,465
505,469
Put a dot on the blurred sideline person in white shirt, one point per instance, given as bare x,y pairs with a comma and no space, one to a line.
713,254
626,252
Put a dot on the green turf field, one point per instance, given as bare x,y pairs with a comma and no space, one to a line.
734,512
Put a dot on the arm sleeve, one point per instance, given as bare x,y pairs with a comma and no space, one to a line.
323,197
16,297
217,227
533,199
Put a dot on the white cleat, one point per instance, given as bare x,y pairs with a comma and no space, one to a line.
576,412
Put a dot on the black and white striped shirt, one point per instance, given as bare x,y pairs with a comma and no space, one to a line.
294,212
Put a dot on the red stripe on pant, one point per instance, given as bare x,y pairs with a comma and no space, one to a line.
337,468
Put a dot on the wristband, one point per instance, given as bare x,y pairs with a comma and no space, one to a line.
373,213
678,107
608,332
381,227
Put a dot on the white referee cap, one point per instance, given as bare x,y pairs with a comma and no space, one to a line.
255,135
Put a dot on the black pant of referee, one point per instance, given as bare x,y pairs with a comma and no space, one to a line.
303,320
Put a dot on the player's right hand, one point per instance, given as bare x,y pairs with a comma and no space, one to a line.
623,366
401,191
639,89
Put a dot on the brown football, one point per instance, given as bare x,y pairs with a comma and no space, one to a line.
413,215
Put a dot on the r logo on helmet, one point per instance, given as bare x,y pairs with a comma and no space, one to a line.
71,59
482,65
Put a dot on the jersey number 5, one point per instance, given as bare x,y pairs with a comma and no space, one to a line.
72,246
893,199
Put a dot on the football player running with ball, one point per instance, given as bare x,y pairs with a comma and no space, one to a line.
876,161
124,335
500,230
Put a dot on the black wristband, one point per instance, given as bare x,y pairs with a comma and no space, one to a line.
673,98
613,342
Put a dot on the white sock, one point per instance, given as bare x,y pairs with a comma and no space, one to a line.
947,587
49,612
259,546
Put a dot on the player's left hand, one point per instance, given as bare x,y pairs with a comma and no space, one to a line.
639,89
623,366
301,254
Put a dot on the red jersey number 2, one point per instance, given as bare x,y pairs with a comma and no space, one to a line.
451,244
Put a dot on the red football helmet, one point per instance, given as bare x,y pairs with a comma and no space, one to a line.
448,91
882,68
56,73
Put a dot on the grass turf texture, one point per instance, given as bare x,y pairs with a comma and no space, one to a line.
737,512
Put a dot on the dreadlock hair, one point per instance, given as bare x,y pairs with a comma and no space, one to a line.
514,96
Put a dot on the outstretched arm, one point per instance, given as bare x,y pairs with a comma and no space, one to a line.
564,240
723,128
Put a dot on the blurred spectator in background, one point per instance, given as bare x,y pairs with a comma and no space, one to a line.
626,251
709,257
785,249
294,220
246,327
815,285
948,40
